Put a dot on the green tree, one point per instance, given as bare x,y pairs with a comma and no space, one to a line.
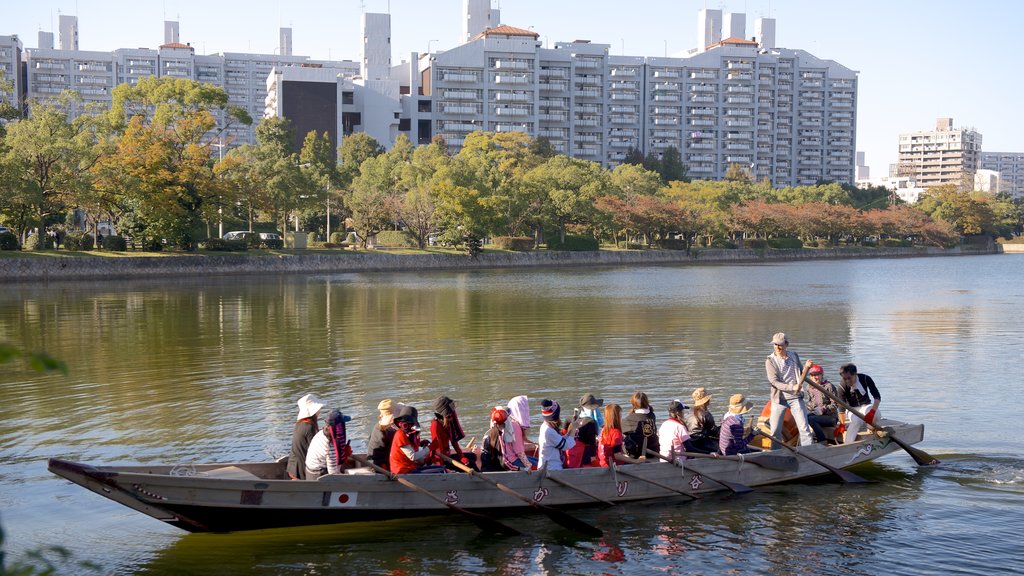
46,159
375,193
968,214
672,167
567,189
416,209
319,161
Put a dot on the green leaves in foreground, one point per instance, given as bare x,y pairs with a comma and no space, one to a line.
38,361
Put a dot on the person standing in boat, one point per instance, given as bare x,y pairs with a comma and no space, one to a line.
305,427
446,432
821,410
379,445
787,378
518,423
701,424
408,452
860,393
552,441
329,448
673,436
640,428
737,431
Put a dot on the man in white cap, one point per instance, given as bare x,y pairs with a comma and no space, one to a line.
787,378
305,427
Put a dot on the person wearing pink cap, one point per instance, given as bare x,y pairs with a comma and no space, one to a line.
822,412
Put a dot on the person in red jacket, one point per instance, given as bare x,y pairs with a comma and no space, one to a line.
408,452
446,432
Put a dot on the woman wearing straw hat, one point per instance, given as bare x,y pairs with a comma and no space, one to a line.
305,427
736,430
703,430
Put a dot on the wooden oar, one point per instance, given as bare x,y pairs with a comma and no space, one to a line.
558,516
762,459
618,470
844,475
919,456
486,524
734,487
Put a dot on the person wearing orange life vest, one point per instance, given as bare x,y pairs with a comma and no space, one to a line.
861,394
408,452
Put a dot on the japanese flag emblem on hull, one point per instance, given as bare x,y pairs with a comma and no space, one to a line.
343,499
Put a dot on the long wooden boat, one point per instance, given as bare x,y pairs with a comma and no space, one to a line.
248,496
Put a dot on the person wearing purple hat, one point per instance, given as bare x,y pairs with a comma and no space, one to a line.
329,448
786,377
552,441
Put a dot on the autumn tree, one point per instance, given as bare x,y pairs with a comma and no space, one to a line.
374,195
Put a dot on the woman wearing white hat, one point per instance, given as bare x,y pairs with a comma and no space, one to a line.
305,427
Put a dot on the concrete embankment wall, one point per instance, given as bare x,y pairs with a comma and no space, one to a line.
64,268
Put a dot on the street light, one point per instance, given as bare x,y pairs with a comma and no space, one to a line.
220,208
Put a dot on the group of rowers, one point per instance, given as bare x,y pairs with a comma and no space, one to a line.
596,434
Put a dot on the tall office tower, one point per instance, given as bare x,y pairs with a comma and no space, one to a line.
946,155
735,25
764,33
477,16
10,69
286,42
45,40
68,32
170,32
709,28
376,46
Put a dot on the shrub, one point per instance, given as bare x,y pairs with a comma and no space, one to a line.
513,243
152,245
115,243
32,242
221,245
672,244
756,243
631,246
722,243
8,241
574,243
75,242
822,243
337,238
868,242
398,238
785,243
896,243
311,239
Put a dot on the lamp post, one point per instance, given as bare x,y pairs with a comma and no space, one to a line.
220,207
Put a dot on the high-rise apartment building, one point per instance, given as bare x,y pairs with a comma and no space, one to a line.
946,155
1010,166
10,70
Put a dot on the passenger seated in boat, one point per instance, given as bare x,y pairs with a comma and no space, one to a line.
518,423
446,432
552,441
586,430
305,427
383,432
329,448
736,430
822,412
640,427
494,456
861,394
409,453
610,442
673,436
701,424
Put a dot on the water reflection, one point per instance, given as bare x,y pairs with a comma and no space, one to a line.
183,372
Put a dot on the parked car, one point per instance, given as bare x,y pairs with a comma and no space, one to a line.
5,229
239,235
271,240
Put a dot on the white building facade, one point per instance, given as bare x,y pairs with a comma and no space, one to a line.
946,155
1010,166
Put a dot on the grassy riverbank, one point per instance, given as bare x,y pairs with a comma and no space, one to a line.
56,265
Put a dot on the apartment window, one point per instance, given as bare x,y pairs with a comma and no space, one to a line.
424,106
348,98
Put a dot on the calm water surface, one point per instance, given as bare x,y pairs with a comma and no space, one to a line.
209,369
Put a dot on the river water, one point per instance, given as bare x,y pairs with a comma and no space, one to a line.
203,370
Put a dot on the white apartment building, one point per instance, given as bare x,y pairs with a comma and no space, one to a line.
10,69
94,75
1010,166
782,114
946,155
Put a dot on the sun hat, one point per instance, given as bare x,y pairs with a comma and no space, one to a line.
816,369
780,338
309,405
738,404
700,397
588,401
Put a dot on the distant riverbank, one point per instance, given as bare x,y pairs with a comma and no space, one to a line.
56,265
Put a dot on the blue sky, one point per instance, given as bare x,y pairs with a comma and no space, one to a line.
918,59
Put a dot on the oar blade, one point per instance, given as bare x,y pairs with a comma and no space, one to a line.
571,522
489,525
920,456
735,487
849,477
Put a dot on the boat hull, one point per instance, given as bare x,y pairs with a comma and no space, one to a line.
248,496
